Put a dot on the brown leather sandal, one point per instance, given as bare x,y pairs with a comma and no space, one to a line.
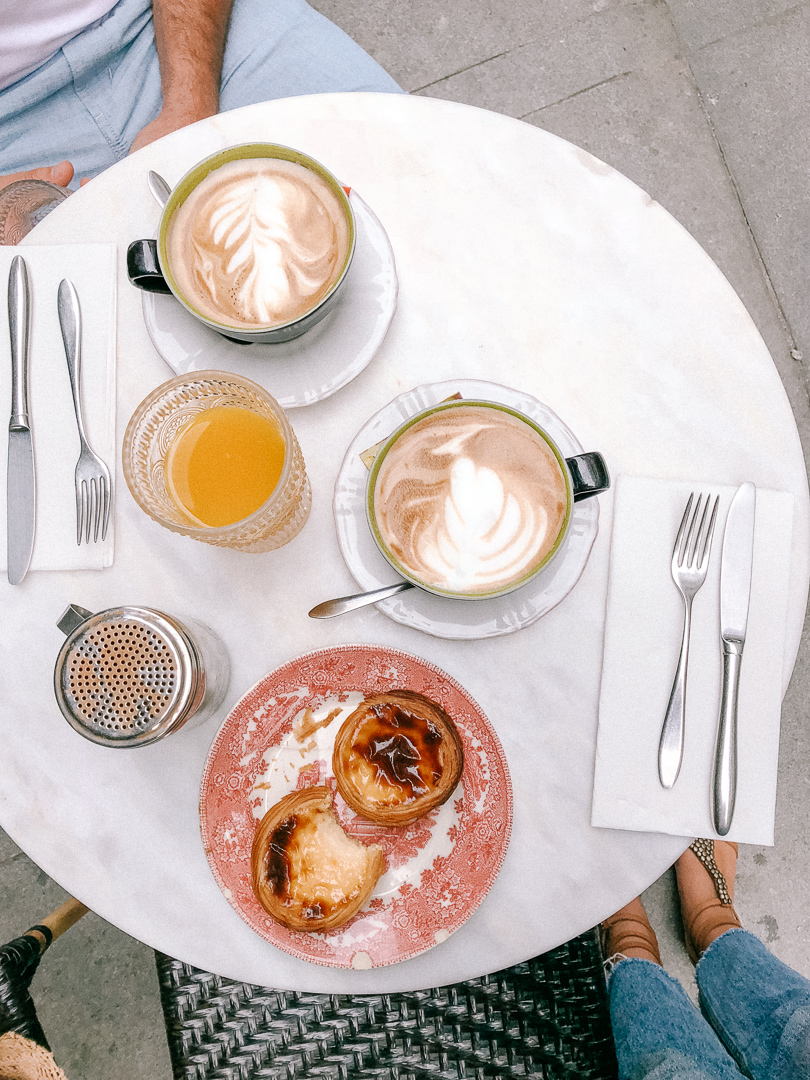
629,929
706,917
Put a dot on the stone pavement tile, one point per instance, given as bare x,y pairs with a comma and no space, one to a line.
96,990
650,126
98,1000
8,849
27,894
756,87
581,55
421,41
700,22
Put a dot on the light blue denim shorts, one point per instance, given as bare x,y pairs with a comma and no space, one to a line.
89,101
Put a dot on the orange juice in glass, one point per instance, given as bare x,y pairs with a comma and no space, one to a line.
213,457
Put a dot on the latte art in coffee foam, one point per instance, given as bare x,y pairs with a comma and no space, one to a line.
470,499
259,242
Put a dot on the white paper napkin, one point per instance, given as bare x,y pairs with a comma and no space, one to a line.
92,269
642,641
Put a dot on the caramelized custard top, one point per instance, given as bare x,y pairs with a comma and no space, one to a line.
398,752
278,867
312,865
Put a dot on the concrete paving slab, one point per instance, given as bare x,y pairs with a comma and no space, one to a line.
421,41
8,849
700,22
756,86
584,54
96,990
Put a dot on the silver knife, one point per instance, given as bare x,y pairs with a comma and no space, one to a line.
20,491
735,594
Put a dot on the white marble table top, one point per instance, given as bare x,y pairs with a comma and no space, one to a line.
521,260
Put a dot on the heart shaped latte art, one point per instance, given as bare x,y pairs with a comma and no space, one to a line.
470,499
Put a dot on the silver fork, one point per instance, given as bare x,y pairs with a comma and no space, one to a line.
690,561
92,475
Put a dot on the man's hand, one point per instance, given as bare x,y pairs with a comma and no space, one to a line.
168,121
60,174
190,41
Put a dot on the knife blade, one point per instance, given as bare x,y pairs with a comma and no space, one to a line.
735,595
20,490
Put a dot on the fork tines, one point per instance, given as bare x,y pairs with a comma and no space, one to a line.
690,539
92,507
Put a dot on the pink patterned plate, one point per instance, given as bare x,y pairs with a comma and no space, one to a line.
279,738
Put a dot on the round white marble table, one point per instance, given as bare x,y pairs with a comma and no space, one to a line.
521,260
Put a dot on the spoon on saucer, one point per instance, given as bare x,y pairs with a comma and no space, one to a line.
159,188
329,608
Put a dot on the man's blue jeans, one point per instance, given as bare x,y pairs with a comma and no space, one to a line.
88,102
755,1022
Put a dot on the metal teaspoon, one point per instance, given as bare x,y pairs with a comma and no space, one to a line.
329,608
159,188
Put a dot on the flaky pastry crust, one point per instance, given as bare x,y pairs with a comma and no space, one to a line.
305,870
397,756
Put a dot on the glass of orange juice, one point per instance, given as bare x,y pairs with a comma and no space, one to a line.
213,456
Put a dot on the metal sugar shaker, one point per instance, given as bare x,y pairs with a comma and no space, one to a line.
129,676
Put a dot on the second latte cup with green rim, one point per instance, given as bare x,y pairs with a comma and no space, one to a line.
255,242
471,499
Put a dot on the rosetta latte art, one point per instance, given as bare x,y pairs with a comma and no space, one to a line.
258,242
470,499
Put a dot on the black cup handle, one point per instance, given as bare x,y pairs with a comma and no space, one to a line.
589,475
143,267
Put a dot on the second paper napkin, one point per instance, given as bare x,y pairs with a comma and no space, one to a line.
642,639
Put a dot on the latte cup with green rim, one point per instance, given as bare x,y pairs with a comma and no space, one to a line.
254,241
471,499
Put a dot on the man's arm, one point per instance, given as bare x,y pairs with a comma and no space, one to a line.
190,40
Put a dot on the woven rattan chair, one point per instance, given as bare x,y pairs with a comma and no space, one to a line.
19,959
546,1018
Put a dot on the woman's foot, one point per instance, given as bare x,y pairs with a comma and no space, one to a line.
628,933
705,874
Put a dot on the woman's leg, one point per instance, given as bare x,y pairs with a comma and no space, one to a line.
705,874
758,1006
659,1034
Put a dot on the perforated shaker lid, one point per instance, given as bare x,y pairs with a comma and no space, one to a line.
126,676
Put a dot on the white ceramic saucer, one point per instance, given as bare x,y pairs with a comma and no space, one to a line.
436,615
318,363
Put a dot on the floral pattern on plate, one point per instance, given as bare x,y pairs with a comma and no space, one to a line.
438,869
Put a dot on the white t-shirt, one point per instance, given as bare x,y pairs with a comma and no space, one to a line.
31,31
